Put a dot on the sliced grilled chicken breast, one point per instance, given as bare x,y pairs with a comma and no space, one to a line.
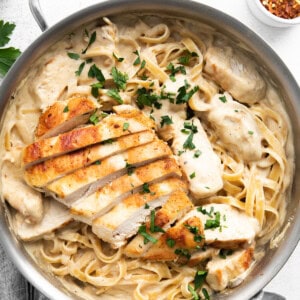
201,166
123,221
221,271
110,127
88,208
45,172
202,255
56,216
63,116
236,73
187,235
225,226
87,180
175,208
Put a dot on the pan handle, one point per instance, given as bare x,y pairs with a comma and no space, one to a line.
36,11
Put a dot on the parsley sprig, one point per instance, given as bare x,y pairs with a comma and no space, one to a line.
7,55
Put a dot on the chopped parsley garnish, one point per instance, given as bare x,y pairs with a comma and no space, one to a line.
146,98
119,59
236,110
80,69
108,141
193,292
197,153
198,238
115,95
95,72
130,168
91,41
146,206
94,118
165,120
152,220
73,55
125,126
138,59
89,60
66,109
185,131
250,132
119,78
192,229
97,162
213,223
193,175
225,252
188,144
145,188
7,55
185,60
174,70
205,294
180,152
191,126
147,237
199,279
143,64
205,212
95,88
223,99
183,95
183,252
170,242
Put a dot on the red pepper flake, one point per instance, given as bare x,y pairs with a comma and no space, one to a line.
286,9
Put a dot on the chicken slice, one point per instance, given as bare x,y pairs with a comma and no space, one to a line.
63,116
177,205
199,163
56,216
123,221
236,73
109,128
187,234
88,208
45,172
221,271
19,195
236,127
202,255
87,180
225,226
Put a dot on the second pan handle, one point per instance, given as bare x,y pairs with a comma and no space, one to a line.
36,11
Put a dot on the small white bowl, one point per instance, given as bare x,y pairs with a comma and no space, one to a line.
262,14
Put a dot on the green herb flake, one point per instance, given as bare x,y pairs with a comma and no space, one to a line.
185,60
66,109
191,126
165,120
91,41
205,294
250,132
119,59
180,152
113,93
183,95
147,237
94,118
95,89
183,252
199,279
188,144
193,175
97,162
95,72
174,71
193,293
223,99
143,64
147,98
236,110
225,252
108,141
130,168
170,242
80,69
192,229
152,220
89,60
198,238
146,206
125,126
74,56
185,131
197,153
119,78
213,223
138,59
145,188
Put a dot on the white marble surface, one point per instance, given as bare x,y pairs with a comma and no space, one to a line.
286,42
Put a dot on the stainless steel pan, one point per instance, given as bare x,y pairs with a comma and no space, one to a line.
276,258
